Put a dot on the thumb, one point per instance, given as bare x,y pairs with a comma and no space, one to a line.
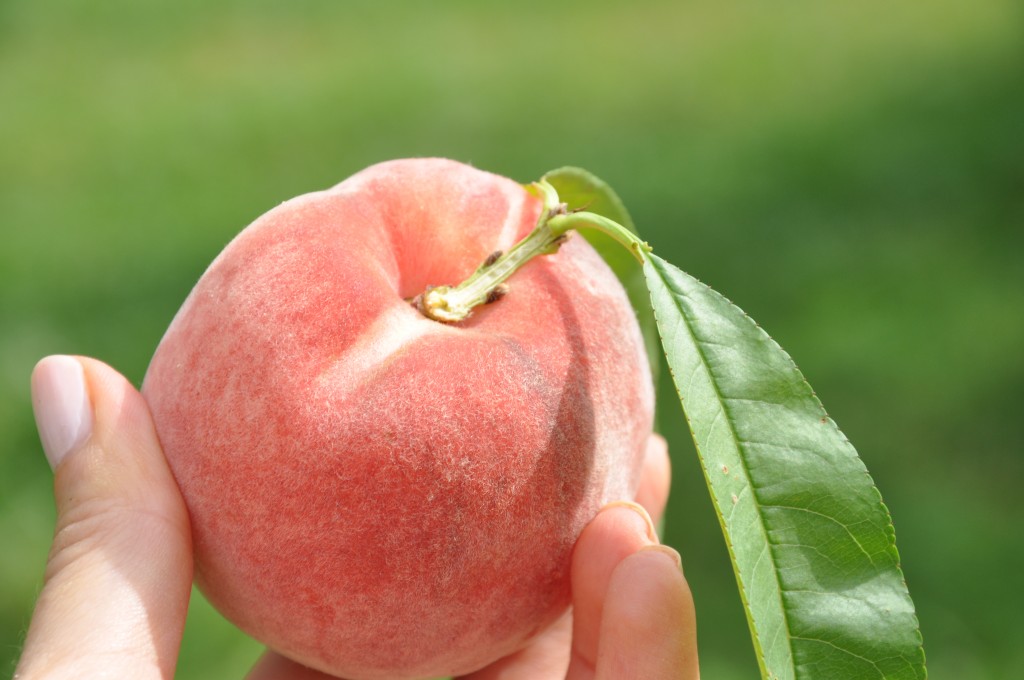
119,573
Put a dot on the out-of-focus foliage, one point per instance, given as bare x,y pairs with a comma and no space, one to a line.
850,173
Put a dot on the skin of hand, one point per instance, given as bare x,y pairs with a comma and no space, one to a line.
119,572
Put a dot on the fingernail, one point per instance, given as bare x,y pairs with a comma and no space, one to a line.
638,510
667,552
62,407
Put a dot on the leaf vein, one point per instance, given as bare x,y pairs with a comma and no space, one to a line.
676,301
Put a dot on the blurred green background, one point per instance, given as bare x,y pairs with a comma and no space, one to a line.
850,173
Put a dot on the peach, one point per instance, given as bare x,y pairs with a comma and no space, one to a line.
373,493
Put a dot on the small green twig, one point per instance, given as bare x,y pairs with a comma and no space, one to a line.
451,304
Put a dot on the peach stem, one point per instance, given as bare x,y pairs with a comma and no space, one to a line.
450,304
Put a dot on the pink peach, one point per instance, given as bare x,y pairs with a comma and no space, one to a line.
375,494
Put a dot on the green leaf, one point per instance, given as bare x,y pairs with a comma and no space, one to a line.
581,190
811,543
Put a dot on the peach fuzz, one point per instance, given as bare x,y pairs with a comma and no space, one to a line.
373,493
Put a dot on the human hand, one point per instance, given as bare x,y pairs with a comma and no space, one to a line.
119,573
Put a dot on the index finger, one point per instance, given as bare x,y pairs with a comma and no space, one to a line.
273,666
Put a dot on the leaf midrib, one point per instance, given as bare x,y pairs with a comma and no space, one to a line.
721,399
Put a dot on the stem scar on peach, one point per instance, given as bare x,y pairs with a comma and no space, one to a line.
375,494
